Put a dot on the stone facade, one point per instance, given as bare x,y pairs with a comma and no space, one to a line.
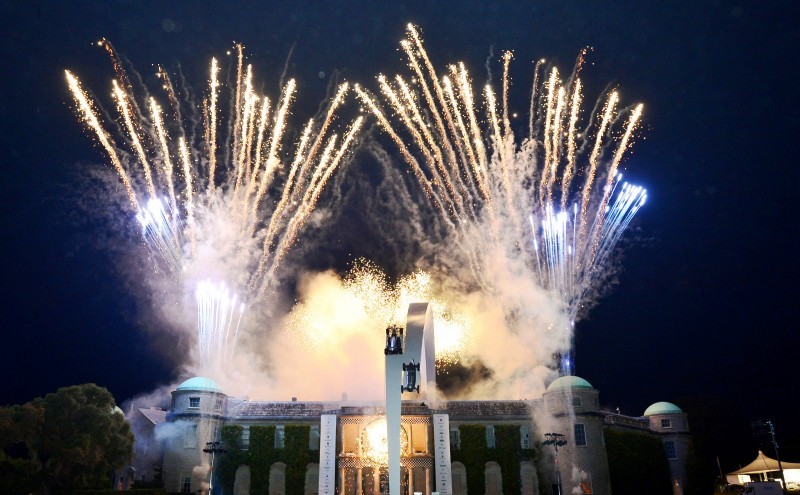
497,444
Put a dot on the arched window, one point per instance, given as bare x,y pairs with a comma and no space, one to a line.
494,479
241,483
530,482
277,479
459,474
312,479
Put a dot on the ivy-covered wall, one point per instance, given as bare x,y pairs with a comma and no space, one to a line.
474,455
262,454
636,462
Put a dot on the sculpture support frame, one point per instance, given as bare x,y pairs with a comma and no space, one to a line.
419,347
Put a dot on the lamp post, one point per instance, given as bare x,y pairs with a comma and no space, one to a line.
766,428
213,448
556,440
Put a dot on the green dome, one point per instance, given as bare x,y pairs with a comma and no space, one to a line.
568,382
662,408
201,384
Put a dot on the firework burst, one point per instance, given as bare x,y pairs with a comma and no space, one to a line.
552,199
217,211
369,293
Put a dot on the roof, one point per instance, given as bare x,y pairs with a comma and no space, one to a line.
155,416
662,408
568,381
201,384
484,408
764,464
254,409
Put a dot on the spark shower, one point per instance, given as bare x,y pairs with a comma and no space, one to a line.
202,197
527,222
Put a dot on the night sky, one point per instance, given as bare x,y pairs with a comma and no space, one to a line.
703,315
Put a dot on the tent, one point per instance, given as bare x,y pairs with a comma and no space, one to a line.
765,468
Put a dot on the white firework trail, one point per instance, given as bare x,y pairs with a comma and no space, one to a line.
228,209
555,190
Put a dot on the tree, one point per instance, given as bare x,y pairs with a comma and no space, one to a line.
72,439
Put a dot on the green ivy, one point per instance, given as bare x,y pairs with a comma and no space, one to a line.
262,454
640,453
474,455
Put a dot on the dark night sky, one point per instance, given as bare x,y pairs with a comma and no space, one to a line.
703,310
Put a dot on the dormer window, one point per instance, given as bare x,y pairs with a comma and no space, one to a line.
194,402
666,423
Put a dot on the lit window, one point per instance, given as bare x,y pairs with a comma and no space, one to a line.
490,441
194,402
580,435
279,437
670,448
666,423
455,438
576,401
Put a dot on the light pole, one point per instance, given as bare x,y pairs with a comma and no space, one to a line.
556,440
766,428
213,448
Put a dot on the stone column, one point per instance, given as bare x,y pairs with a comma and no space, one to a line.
410,480
342,480
359,486
428,480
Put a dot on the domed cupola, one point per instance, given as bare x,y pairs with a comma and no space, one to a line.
198,396
666,417
570,390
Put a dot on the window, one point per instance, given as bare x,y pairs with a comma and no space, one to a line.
312,479
490,441
186,484
576,401
277,479
217,405
459,473
530,482
494,479
455,438
670,448
279,437
666,423
580,435
313,438
525,437
246,437
194,402
190,437
241,481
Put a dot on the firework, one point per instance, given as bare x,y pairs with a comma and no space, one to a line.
217,320
224,208
369,294
496,193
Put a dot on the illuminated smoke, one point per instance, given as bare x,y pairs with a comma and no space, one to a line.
215,212
529,223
